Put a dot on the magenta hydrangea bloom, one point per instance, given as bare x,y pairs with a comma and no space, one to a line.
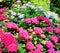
34,21
38,30
57,30
0,50
49,44
47,21
12,47
51,50
32,51
2,17
54,38
2,11
29,45
42,36
10,42
38,51
11,25
40,18
1,32
49,29
58,51
24,34
39,46
21,31
27,20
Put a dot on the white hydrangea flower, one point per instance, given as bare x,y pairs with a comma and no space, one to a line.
23,7
21,16
41,9
18,1
13,13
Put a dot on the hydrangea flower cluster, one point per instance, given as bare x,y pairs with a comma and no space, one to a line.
1,14
33,37
38,19
9,42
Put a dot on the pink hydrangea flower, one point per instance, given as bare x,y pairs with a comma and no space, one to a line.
54,38
2,11
34,21
2,17
49,44
21,31
30,30
58,51
38,30
39,46
38,51
11,25
42,36
0,50
1,32
27,20
29,46
57,30
40,18
12,47
47,20
49,29
9,42
32,51
51,50
24,34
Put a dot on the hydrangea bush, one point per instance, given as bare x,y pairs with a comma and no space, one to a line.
27,29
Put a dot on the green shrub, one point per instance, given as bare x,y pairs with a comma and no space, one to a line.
6,3
55,6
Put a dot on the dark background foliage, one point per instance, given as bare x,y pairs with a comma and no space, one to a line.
55,6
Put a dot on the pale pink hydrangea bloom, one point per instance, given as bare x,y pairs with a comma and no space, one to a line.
30,30
42,35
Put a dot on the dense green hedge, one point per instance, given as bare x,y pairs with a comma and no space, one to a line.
55,6
6,3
